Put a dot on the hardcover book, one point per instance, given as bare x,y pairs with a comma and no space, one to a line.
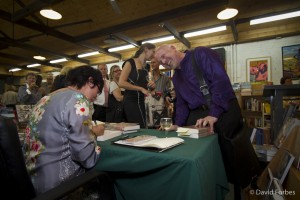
109,134
150,142
192,132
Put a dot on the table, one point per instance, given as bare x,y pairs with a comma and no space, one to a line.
193,170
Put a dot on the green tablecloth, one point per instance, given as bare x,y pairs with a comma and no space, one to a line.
193,170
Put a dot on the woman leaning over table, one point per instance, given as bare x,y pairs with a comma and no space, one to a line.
114,112
133,80
59,143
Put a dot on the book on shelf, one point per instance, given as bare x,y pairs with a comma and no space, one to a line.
149,142
192,132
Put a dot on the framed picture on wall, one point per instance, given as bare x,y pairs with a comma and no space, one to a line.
259,69
291,61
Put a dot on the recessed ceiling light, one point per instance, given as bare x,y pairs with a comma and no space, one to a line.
14,69
33,65
88,54
205,31
227,13
39,57
50,14
275,18
58,60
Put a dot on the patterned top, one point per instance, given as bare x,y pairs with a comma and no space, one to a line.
58,143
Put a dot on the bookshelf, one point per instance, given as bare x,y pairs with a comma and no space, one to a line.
252,111
276,95
256,113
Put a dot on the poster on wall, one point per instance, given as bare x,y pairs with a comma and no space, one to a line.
259,69
291,61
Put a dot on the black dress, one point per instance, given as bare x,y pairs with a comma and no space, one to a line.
134,101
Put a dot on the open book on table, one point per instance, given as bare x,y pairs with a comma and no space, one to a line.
150,142
192,132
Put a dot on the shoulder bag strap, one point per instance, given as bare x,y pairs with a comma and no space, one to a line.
203,86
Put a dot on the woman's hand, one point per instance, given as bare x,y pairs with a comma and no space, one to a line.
144,91
207,121
151,85
98,130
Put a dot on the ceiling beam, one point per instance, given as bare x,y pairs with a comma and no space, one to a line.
31,60
234,30
50,31
32,15
178,36
152,19
32,8
10,66
127,39
101,50
35,48
55,27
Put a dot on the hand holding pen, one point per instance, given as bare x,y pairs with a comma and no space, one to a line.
98,129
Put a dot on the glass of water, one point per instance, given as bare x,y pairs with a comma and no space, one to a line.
165,124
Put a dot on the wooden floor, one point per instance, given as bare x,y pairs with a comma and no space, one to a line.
246,194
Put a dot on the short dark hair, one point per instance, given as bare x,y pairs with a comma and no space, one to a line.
79,76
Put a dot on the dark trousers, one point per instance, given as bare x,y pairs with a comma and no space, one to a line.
228,125
99,113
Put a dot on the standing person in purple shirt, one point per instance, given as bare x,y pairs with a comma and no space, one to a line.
222,114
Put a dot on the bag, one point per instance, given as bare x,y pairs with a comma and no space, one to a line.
114,112
241,164
155,109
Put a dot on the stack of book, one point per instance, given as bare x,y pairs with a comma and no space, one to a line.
246,89
193,132
257,89
116,129
125,127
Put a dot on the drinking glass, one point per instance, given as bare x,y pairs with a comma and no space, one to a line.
149,78
165,124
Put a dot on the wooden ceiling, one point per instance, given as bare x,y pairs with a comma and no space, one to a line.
85,24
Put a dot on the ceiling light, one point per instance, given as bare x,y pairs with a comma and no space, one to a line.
275,18
39,57
205,31
228,13
129,46
58,60
162,39
14,69
50,14
34,65
88,54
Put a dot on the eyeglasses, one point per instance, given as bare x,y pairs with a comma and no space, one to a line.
117,70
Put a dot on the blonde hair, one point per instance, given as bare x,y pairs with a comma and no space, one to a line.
111,72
